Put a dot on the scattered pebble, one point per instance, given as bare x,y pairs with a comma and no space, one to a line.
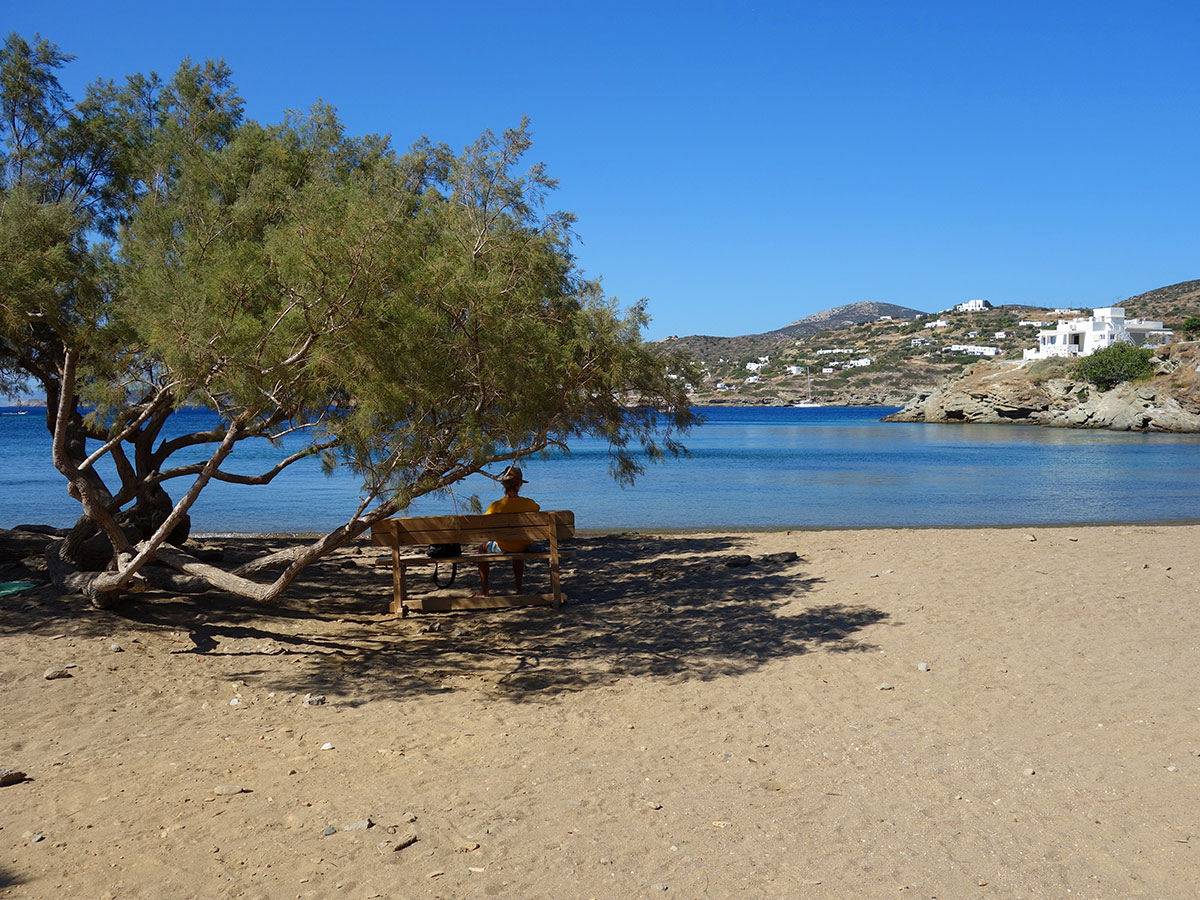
437,873
886,687
924,667
11,776
654,804
38,837
52,674
235,702
1030,772
116,648
722,824
660,887
1172,769
1031,538
360,825
228,790
329,830
475,868
738,562
314,699
407,841
327,746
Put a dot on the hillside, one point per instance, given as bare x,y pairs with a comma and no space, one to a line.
709,349
855,358
1170,304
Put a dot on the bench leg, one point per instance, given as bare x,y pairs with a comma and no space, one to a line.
399,587
555,586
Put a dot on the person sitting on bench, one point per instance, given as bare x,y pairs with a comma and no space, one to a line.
511,502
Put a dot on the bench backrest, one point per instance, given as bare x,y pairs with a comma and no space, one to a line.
465,529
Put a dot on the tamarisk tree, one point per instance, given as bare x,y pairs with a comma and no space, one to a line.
418,316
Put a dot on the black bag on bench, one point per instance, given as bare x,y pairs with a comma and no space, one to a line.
444,551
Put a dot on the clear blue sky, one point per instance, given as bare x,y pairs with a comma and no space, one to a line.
745,165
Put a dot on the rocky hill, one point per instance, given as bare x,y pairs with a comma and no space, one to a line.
1048,393
711,350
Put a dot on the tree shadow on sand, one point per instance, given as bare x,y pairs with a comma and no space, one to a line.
667,608
7,879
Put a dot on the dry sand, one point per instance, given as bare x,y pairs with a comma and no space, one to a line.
680,729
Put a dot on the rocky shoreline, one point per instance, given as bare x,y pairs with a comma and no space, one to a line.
999,393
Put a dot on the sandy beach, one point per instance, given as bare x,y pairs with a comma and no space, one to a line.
895,713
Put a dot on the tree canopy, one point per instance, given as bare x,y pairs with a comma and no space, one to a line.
420,315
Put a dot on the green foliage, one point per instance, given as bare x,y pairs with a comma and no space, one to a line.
1116,364
1191,327
421,314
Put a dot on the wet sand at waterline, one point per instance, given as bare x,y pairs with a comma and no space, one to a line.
894,713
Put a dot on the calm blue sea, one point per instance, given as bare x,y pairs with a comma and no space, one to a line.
749,468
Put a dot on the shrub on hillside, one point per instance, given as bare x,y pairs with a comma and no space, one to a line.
1053,367
1109,367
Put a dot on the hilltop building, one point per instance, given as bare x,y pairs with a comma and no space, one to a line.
973,306
1107,326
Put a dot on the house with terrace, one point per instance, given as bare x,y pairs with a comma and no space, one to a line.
1107,326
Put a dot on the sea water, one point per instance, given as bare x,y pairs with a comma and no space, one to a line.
747,468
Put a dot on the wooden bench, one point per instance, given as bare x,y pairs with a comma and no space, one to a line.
471,531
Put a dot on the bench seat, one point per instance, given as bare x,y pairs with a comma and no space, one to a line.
422,531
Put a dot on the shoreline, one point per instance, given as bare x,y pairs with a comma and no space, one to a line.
760,530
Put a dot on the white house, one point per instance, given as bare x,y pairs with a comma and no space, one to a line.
1107,326
753,366
753,379
1034,323
835,350
973,306
858,363
1000,334
939,323
827,370
795,370
974,349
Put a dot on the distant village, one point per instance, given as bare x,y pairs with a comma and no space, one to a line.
1063,332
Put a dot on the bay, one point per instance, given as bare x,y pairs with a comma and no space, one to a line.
748,468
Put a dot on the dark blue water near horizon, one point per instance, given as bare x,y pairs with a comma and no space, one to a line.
762,467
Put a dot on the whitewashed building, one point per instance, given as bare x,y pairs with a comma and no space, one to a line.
973,306
974,349
753,366
795,370
1107,326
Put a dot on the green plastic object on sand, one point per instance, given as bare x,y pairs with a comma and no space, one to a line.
14,587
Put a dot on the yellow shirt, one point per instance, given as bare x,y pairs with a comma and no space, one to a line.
513,505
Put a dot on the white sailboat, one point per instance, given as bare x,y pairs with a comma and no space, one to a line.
808,402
